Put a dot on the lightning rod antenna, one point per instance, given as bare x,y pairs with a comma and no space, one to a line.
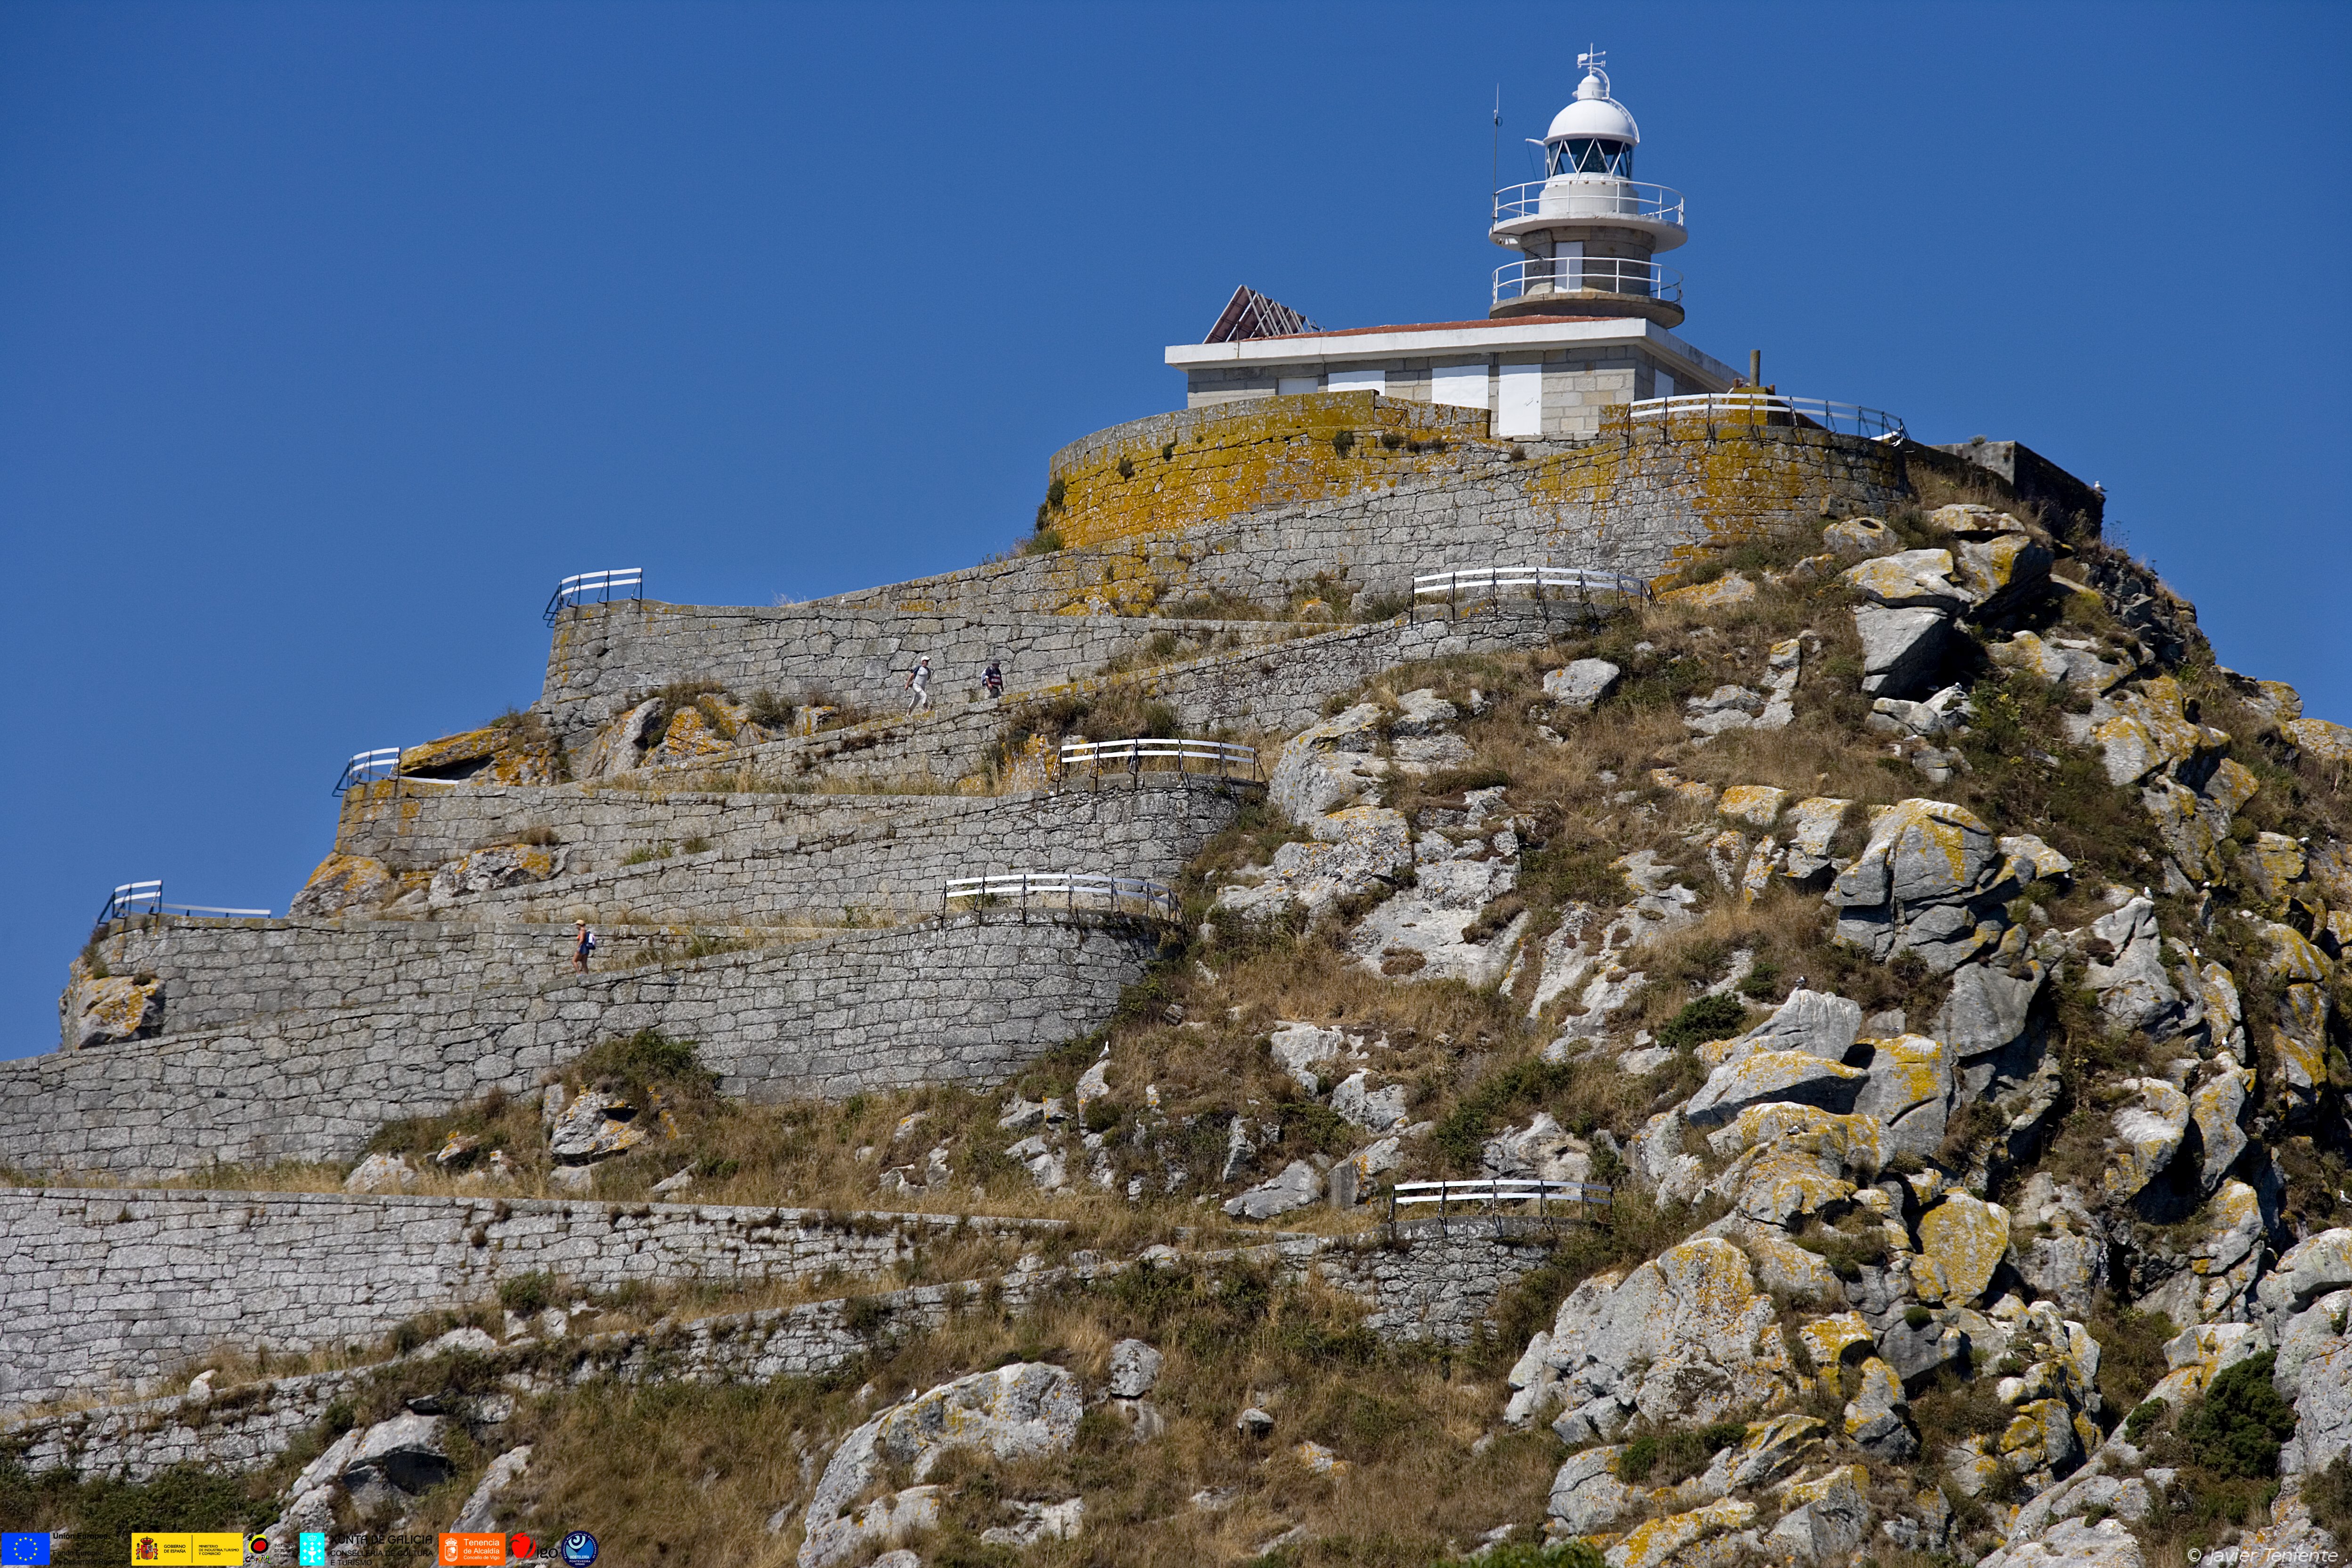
1494,161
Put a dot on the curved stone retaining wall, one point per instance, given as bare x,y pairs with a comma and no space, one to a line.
107,1289
938,1001
1626,502
1270,689
778,857
1422,1286
604,658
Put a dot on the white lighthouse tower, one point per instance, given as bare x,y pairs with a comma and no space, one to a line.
1587,231
1581,322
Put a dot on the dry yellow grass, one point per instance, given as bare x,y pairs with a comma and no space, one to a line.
687,1475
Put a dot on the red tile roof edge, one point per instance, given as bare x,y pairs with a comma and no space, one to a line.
1430,327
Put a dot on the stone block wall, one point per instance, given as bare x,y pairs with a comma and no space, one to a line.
866,866
1267,692
605,658
1436,1283
1425,1285
1178,471
957,1001
109,1290
782,857
214,976
1631,501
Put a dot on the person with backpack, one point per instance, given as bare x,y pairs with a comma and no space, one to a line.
918,681
583,943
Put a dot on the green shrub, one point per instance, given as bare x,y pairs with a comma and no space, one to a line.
1918,1317
2148,1414
2236,1427
643,1060
525,1294
1707,1018
1676,1454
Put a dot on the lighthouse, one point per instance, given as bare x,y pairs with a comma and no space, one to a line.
1582,319
1587,231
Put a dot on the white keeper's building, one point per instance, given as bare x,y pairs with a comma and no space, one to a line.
1581,318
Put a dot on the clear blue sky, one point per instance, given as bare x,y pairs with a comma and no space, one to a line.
331,334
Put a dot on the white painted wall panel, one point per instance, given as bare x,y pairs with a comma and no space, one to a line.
1349,378
1462,385
1518,410
1297,385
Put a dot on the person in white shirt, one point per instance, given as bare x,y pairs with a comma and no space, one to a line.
918,681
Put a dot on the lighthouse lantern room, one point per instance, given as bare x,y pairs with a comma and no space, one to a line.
1582,319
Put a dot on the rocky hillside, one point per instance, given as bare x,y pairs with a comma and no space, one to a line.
1924,957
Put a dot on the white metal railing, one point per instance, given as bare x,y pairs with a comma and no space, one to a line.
1073,889
1217,759
1546,584
1577,199
366,768
147,899
596,588
1748,406
1576,1199
1535,274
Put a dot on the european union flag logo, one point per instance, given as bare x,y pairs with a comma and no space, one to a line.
25,1546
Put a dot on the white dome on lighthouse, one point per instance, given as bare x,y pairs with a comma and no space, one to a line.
1593,112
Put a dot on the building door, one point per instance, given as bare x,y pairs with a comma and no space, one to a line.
1518,407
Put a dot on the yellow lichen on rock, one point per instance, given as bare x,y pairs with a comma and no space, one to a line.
1672,1538
2326,743
1826,1340
691,734
1962,1241
505,752
344,882
2275,860
1755,805
1034,768
1730,589
99,1012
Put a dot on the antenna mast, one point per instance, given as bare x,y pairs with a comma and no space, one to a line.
1495,163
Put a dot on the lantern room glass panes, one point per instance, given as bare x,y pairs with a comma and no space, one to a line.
1589,155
